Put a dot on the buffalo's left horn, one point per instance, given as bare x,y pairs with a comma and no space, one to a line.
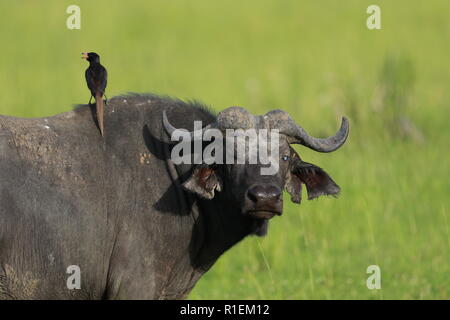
281,120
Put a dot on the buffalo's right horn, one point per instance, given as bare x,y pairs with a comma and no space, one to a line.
170,128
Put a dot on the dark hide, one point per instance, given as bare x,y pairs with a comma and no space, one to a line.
114,206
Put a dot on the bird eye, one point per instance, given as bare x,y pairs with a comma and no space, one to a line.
285,158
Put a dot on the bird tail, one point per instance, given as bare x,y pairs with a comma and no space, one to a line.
100,107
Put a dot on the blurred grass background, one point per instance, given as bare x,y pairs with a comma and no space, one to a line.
314,59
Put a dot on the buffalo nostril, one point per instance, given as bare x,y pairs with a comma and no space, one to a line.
253,193
262,193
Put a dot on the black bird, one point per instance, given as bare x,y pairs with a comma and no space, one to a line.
96,79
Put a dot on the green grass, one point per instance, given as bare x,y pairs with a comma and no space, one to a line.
314,59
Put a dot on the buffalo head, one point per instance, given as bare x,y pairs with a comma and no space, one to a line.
243,184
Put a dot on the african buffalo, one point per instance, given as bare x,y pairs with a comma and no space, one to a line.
136,225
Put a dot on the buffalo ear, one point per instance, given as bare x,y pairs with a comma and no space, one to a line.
317,181
294,187
203,181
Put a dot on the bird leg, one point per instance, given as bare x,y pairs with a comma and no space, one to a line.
106,99
90,99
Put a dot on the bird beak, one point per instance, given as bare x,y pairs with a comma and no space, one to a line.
84,55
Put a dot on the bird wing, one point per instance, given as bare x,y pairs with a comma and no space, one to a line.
103,75
96,79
